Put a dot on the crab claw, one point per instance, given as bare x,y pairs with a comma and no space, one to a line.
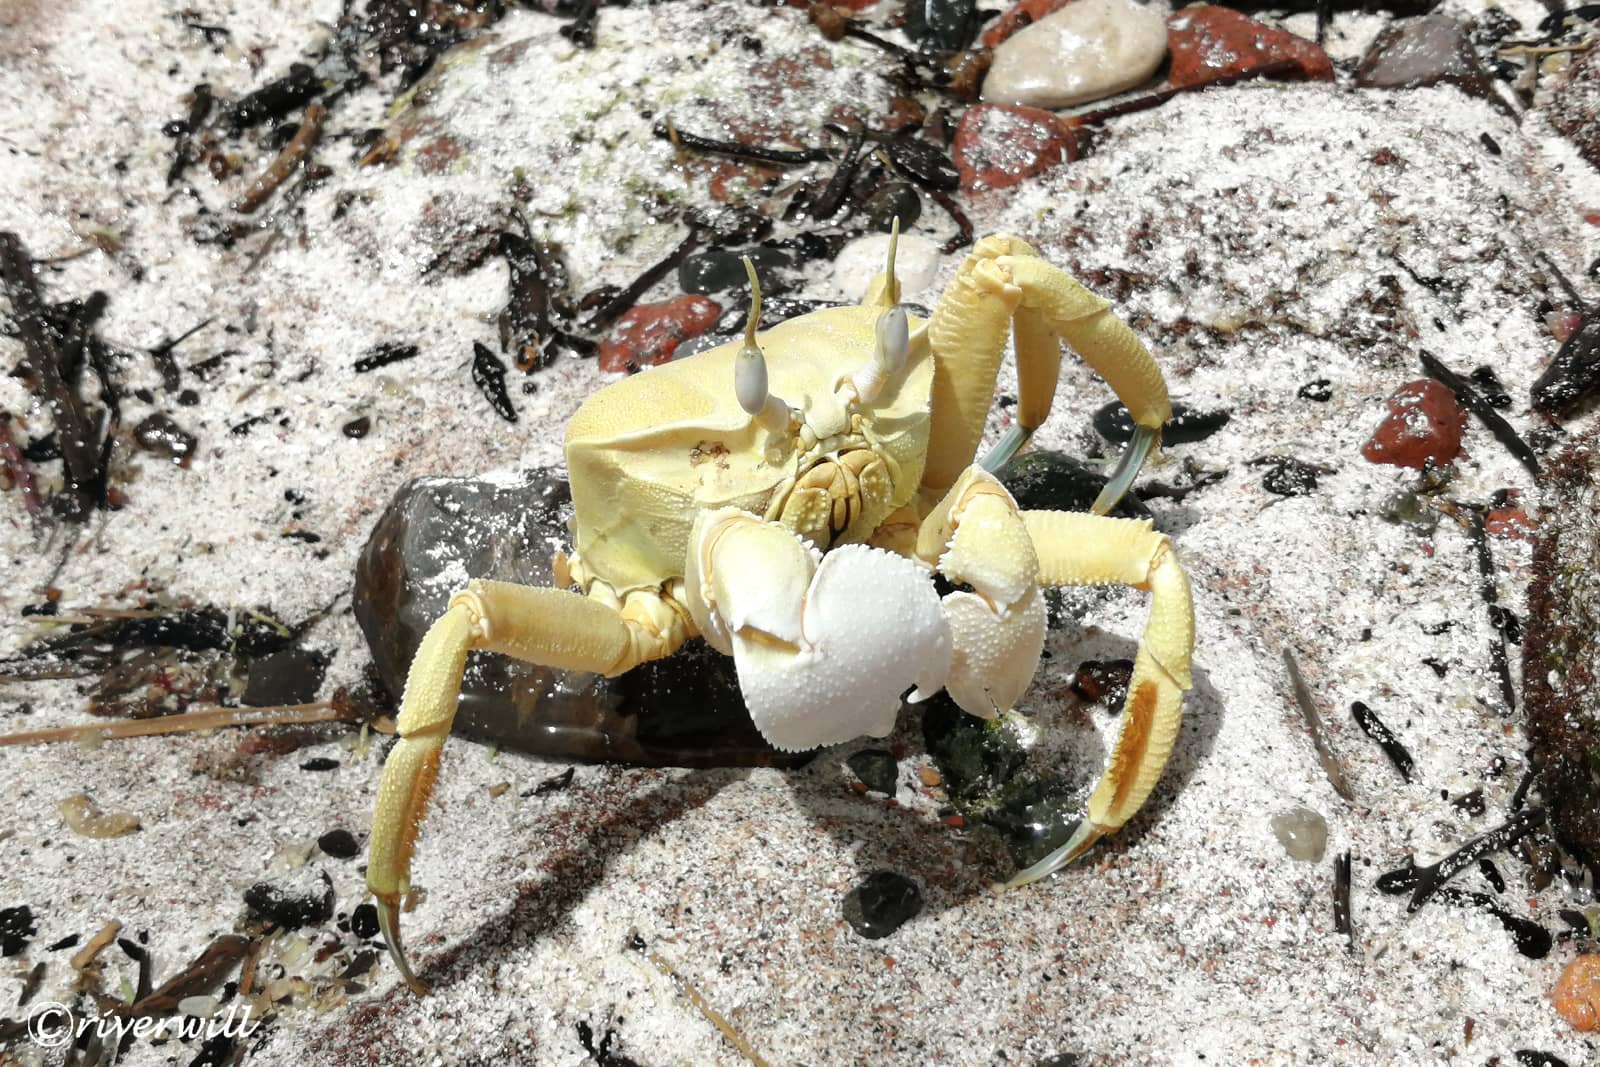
977,538
825,650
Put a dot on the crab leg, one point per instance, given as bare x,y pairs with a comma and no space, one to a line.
553,627
1078,549
1002,278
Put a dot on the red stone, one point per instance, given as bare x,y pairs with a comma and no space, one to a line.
1424,424
649,333
1208,42
998,145
1509,522
1024,14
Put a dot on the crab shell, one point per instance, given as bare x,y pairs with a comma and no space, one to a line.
649,453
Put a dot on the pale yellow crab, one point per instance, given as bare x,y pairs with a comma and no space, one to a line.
790,500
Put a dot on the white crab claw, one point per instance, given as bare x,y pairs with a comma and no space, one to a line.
872,628
996,653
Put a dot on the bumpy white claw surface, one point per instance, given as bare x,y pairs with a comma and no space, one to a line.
996,653
872,628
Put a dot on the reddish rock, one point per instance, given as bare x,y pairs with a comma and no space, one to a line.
1024,14
998,145
1208,42
1509,522
1424,424
649,333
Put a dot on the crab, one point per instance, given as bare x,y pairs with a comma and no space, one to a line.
793,499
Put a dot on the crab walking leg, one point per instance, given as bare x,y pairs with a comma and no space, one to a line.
1078,549
553,627
1054,305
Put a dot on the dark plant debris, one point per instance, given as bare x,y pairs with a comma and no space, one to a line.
489,375
1374,728
1474,402
1423,882
1325,755
1342,915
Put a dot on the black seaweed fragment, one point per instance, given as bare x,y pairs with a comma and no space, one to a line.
1374,728
1473,401
489,375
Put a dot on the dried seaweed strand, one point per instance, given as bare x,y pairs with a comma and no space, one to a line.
1503,431
293,154
1497,644
755,154
714,1017
624,300
85,955
202,974
1325,756
1429,880
965,236
188,722
1374,728
1341,898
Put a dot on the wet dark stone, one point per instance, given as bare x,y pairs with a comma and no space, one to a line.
876,768
320,763
1574,372
882,904
340,844
893,200
1103,680
16,928
974,760
364,921
1036,816
357,428
1405,508
288,676
160,435
1046,480
684,711
731,225
1320,391
722,270
1291,477
1428,50
941,25
1186,426
1064,1059
304,898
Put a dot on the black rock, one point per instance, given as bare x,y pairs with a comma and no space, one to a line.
320,763
1320,391
721,270
1290,477
288,676
1045,480
159,434
16,928
941,25
876,768
340,844
1185,427
882,904
684,711
891,201
973,760
302,899
364,921
1573,373
1427,50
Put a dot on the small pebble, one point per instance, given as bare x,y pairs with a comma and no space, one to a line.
1429,50
1088,50
916,263
1210,42
1291,477
159,434
340,844
1577,993
1303,834
1185,427
1405,508
16,928
288,676
996,146
357,428
720,270
1319,391
876,768
320,763
304,898
882,904
647,334
364,921
928,776
1424,425
893,200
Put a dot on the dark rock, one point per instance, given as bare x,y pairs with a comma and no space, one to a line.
1320,391
16,928
1427,50
683,711
1405,508
159,434
891,201
1561,648
882,904
288,676
1574,372
720,270
357,428
1185,427
340,844
941,25
876,768
1104,681
973,760
304,898
364,921
1044,480
1291,477
320,763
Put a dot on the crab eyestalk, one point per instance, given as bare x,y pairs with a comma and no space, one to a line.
891,335
750,369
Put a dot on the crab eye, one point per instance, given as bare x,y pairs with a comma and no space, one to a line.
750,380
893,340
